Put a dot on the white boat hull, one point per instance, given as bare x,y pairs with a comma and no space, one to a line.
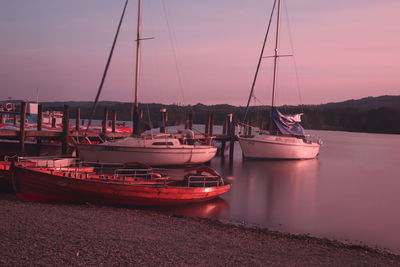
147,155
278,147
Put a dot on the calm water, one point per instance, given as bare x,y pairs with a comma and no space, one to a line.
350,193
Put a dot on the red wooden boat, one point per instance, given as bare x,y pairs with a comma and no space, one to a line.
53,161
5,177
137,187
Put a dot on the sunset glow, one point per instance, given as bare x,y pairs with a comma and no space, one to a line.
342,49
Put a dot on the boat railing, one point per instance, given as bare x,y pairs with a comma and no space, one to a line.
138,173
174,174
204,181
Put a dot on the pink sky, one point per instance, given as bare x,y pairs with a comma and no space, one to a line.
342,50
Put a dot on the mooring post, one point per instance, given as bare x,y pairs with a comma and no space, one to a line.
1,118
15,119
22,128
231,134
53,122
39,128
190,121
65,134
114,120
78,119
207,126
104,123
211,127
224,136
225,125
164,119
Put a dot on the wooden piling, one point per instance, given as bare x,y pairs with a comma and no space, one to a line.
189,121
224,132
225,126
78,119
207,126
211,126
114,120
39,128
53,122
231,135
164,119
105,119
22,129
1,118
65,133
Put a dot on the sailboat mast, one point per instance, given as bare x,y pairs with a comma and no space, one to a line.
274,82
137,70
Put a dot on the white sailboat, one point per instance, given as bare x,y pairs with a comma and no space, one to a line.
286,138
154,150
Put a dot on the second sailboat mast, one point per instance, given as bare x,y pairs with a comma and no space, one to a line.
137,71
276,55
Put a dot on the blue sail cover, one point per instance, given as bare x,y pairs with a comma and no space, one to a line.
288,124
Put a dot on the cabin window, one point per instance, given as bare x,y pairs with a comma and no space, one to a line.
162,144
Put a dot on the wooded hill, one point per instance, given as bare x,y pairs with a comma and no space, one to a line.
371,114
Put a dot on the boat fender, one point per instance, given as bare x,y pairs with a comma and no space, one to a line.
155,175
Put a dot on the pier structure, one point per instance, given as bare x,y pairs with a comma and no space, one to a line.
63,137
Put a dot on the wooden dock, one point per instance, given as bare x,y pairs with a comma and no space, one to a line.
64,136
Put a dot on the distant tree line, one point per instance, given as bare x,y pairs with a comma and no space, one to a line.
368,116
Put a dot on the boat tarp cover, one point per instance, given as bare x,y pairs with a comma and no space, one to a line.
289,123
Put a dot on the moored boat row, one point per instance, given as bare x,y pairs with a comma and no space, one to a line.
132,184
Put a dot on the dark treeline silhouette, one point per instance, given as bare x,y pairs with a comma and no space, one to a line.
371,114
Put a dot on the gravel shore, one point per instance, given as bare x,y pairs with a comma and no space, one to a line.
91,235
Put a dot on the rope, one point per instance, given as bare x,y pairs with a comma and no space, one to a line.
259,62
172,38
294,58
106,69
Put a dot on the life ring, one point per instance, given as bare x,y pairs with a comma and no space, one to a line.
8,106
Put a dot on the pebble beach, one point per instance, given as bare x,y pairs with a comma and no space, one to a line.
34,234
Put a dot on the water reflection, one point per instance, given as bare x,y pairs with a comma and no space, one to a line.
274,194
350,193
213,209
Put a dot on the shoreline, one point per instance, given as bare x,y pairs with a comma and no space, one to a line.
87,234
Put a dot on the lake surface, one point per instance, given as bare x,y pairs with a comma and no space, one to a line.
350,193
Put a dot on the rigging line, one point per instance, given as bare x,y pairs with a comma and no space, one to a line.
106,68
294,58
259,61
171,39
142,81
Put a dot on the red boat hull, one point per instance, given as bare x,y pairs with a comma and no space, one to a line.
5,177
36,186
